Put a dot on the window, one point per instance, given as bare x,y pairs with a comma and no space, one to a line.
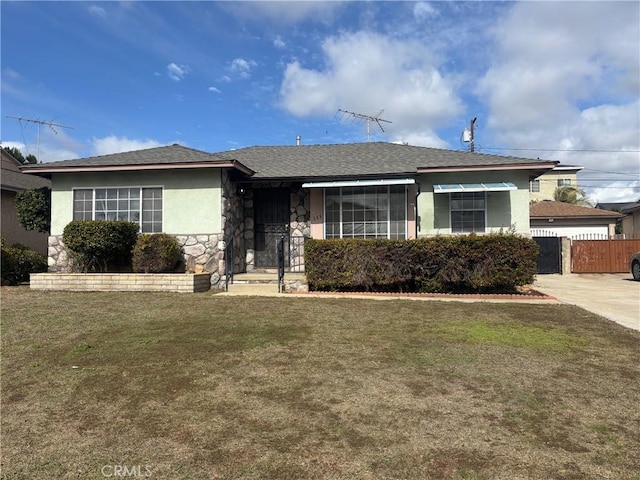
468,212
366,212
139,205
563,182
534,186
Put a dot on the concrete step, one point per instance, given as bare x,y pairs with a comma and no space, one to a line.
258,289
267,278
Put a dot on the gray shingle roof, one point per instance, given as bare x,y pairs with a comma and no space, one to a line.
308,161
354,159
16,181
150,156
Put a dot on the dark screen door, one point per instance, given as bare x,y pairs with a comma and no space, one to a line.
271,206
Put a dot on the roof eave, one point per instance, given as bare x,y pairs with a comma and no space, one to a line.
537,166
305,178
46,170
578,217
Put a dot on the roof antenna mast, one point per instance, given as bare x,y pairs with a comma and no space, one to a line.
367,118
51,125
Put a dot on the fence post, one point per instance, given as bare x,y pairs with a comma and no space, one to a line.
565,256
280,257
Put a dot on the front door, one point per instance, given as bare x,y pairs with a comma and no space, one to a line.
271,206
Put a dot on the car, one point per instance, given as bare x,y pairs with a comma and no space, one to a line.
634,266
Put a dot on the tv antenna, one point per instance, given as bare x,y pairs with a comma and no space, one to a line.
51,125
367,118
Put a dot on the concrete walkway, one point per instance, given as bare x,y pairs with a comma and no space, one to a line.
614,296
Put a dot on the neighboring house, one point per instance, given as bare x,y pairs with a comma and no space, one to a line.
559,219
630,223
543,187
251,197
13,181
631,219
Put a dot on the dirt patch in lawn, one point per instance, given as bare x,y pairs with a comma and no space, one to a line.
204,386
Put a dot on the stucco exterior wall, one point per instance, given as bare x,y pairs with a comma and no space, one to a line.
504,209
549,183
192,198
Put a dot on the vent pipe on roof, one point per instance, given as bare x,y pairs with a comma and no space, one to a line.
298,138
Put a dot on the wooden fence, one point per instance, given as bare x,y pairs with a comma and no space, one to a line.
602,256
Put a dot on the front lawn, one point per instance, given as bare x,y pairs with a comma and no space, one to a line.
198,386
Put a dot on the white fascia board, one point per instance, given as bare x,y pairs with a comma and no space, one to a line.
360,183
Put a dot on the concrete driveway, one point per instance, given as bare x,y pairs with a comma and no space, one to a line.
614,296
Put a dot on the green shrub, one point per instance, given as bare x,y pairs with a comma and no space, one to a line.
33,208
18,262
100,245
155,253
469,263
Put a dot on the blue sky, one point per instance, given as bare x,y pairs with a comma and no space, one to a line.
553,80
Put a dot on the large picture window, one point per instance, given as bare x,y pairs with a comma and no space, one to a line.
468,212
366,212
138,205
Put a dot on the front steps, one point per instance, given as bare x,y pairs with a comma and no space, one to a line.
265,283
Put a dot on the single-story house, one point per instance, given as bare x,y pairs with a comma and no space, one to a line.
250,197
549,218
13,181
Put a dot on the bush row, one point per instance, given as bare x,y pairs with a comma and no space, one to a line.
18,261
447,264
101,246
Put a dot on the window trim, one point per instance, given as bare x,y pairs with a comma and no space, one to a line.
406,212
451,210
100,187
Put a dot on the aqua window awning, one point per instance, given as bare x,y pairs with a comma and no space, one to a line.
474,187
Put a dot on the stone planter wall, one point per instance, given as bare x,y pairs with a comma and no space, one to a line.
121,282
202,254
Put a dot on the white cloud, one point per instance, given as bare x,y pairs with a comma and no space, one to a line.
97,11
12,74
177,72
373,72
214,90
278,42
242,67
51,147
113,144
566,76
285,12
424,11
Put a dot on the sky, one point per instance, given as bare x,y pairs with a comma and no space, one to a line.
549,80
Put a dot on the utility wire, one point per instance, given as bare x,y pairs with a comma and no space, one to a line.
560,150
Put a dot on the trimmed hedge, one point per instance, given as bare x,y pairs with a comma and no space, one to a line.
100,245
155,253
443,264
18,261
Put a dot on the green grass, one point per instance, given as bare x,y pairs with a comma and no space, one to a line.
203,386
